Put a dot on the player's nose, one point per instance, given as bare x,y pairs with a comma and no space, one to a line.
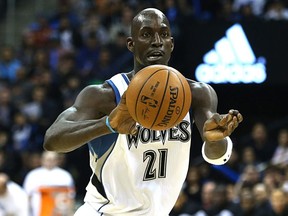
157,41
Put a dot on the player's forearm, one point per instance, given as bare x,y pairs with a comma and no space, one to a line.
65,136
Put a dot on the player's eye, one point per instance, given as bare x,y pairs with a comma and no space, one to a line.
146,34
165,34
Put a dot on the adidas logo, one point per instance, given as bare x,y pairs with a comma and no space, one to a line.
232,61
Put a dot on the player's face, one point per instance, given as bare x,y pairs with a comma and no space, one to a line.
152,41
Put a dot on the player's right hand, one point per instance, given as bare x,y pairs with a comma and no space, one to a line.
220,126
121,120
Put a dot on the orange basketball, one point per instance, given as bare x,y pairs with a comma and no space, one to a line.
158,97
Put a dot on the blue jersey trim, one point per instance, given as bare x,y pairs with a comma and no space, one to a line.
117,94
100,145
125,78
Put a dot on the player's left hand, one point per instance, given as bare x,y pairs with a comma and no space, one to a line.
220,126
121,120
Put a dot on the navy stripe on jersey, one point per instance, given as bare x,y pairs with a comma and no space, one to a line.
100,145
98,185
126,78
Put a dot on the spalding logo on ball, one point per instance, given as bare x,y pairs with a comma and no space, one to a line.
158,97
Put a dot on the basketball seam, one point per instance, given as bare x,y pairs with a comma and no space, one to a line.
162,97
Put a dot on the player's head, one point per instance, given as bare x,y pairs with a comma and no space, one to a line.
151,41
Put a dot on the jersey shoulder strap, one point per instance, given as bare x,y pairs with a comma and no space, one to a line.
119,83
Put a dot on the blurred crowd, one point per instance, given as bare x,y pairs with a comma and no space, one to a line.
83,42
254,182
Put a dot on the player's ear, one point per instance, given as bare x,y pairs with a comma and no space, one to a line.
172,43
130,44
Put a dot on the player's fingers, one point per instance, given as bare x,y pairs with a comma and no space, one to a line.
212,123
134,130
233,112
232,125
216,118
239,117
229,129
225,119
235,122
237,114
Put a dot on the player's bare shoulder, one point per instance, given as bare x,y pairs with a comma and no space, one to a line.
203,94
97,99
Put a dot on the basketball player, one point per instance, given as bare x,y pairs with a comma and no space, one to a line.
137,171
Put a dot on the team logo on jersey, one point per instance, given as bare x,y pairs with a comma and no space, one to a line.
178,133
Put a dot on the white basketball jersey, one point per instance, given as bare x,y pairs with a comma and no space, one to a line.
141,174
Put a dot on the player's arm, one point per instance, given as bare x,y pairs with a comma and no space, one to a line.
214,128
82,122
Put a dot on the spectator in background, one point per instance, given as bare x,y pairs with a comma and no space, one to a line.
248,179
279,205
221,204
273,178
7,107
206,9
262,144
47,81
276,10
88,55
246,205
30,161
261,196
184,206
10,161
27,48
55,51
70,89
172,13
40,111
21,89
122,24
93,24
9,64
66,67
246,12
103,68
207,196
226,11
70,38
193,184
280,156
50,188
256,6
21,133
248,157
39,64
121,57
13,198
64,9
41,31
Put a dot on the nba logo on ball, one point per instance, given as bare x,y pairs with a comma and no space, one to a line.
158,97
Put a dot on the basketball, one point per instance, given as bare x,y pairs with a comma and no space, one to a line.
158,97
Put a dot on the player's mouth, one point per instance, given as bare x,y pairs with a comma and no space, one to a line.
155,55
